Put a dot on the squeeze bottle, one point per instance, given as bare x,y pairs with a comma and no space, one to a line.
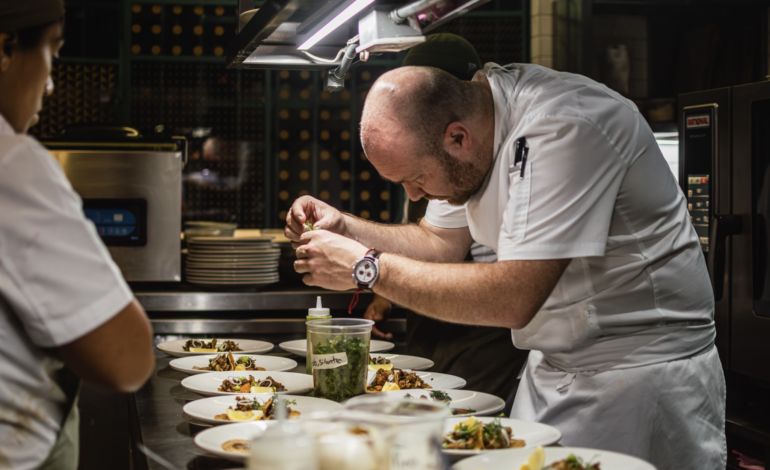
317,313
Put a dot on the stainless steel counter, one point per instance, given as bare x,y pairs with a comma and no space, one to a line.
268,300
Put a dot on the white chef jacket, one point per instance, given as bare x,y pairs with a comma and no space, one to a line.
623,349
57,283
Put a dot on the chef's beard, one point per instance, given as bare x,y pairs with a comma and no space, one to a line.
465,177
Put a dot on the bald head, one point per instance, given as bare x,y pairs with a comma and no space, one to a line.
413,106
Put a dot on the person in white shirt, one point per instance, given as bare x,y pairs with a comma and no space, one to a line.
599,269
66,313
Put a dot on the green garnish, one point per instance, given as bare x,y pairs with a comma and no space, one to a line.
309,226
236,387
346,381
438,395
244,359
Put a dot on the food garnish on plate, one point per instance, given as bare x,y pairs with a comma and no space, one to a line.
440,395
197,345
251,409
379,363
473,434
536,461
240,446
395,379
226,362
250,385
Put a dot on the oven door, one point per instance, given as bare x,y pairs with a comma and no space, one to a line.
750,325
704,176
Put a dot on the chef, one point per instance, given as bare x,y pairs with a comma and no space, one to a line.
599,269
455,349
66,313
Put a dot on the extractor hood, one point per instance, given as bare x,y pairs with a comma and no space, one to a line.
331,34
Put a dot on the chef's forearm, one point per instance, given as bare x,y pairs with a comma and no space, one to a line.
413,241
504,294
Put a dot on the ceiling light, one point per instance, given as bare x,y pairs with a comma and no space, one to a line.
335,23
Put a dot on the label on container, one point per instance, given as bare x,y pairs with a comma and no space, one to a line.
329,361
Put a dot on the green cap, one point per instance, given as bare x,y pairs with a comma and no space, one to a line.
447,52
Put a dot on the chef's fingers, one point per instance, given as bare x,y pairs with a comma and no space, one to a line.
297,215
302,266
290,233
379,334
303,252
373,313
296,245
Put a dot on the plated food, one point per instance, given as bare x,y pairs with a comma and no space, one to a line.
243,362
254,409
553,458
198,345
380,360
442,396
209,409
395,379
228,383
246,385
460,402
433,380
231,441
299,347
491,434
473,434
176,348
226,362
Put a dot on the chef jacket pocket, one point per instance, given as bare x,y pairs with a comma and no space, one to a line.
559,329
516,219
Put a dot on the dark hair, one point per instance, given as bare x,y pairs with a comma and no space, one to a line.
28,38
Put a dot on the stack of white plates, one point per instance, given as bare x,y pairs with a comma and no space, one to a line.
225,261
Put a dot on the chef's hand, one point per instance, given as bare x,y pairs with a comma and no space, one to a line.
327,259
319,213
378,311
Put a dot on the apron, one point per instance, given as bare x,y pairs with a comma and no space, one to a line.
671,414
66,450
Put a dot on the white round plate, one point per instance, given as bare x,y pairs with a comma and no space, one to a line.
515,458
251,267
227,257
239,252
232,283
270,363
211,440
207,384
299,346
483,404
233,277
533,434
221,282
231,241
401,361
435,380
249,346
207,408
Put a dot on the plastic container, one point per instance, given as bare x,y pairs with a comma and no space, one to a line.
414,429
317,313
339,356
284,445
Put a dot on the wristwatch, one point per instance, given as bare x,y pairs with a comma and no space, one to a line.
367,270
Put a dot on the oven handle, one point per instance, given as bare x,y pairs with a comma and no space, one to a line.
722,226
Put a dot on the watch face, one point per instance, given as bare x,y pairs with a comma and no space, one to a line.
365,271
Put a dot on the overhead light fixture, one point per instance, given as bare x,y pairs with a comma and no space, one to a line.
352,10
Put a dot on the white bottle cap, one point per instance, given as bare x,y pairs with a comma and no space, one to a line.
318,311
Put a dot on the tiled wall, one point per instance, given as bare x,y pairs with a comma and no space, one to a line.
541,45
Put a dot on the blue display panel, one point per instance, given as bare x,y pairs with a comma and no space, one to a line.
119,222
